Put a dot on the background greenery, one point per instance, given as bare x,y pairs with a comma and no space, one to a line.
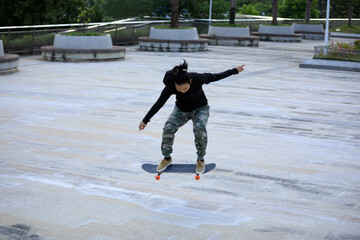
30,12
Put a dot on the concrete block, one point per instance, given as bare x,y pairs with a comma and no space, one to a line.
9,63
276,30
314,28
331,65
83,42
174,34
229,31
1,49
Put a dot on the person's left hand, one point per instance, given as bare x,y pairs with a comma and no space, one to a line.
240,68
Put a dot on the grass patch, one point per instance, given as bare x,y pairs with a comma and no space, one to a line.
346,29
278,25
83,34
228,25
168,27
311,23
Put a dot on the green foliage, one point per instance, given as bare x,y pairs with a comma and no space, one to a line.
265,8
168,27
339,8
278,25
249,10
343,51
346,29
357,45
125,8
83,34
29,12
296,9
187,8
228,25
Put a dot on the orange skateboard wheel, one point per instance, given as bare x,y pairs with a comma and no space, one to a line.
197,177
157,177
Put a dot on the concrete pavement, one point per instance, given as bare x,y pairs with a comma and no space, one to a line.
286,142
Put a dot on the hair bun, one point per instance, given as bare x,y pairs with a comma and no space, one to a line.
182,67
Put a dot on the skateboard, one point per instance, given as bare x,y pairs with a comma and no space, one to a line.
177,168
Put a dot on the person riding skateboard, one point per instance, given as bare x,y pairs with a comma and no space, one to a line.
191,103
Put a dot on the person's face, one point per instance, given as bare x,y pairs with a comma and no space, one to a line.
183,88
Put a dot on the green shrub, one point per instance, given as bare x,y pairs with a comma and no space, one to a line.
168,27
357,44
249,10
83,34
227,25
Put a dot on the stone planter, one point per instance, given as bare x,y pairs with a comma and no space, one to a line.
278,33
82,48
231,36
1,49
310,31
8,62
173,40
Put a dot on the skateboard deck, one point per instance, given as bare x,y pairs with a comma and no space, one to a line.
177,168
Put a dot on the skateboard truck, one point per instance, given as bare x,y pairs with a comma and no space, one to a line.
157,177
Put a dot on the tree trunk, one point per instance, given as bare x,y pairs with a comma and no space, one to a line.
350,11
308,11
174,14
232,12
274,11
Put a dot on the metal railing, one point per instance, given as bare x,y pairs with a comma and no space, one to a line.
29,39
337,53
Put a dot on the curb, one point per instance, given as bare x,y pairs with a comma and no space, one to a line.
331,65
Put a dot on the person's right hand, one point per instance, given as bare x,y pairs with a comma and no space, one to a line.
240,68
142,125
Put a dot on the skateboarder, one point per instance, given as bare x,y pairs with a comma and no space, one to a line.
191,103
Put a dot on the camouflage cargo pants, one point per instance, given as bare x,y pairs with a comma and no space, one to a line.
177,119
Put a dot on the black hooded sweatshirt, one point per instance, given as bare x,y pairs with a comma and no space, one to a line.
193,98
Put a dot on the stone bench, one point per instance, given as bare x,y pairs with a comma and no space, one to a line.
310,31
278,34
51,53
231,36
251,41
8,62
82,48
173,40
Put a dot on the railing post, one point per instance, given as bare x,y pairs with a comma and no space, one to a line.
116,28
32,44
133,34
8,42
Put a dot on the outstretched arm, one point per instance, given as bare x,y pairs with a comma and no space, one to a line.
164,96
213,77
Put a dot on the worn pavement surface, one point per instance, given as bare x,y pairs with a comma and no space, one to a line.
286,142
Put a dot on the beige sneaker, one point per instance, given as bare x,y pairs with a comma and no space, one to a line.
200,167
163,165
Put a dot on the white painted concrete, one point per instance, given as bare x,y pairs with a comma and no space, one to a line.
83,42
174,34
1,48
315,28
285,140
276,30
229,31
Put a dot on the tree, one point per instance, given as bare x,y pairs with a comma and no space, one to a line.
350,12
30,12
232,12
274,12
297,9
174,14
124,8
308,11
